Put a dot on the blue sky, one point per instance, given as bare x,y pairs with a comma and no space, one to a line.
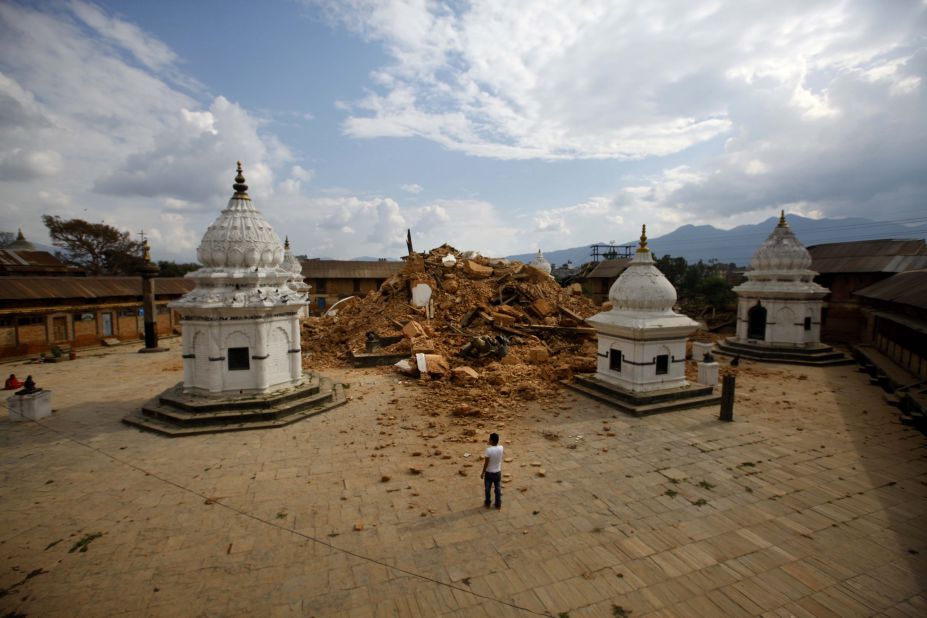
501,127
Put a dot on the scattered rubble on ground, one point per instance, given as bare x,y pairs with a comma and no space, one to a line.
494,333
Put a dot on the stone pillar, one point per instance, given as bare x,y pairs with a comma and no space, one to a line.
149,271
708,373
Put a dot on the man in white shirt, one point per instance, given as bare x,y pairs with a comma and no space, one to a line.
492,470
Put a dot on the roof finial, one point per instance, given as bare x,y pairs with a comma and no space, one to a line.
643,248
241,189
782,221
286,242
20,235
146,250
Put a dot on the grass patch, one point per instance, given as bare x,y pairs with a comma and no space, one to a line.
672,493
700,502
705,485
620,612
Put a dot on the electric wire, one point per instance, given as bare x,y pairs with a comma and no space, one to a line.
272,524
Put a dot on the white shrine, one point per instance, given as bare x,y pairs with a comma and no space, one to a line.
242,358
296,282
641,351
240,326
540,263
779,306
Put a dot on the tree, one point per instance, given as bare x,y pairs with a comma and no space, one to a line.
175,269
717,292
6,238
98,248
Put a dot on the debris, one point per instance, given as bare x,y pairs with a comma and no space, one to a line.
464,375
358,525
84,542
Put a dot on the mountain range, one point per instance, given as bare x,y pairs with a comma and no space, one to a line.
738,244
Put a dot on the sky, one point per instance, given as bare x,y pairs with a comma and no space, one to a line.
501,127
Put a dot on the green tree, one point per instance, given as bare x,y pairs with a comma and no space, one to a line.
716,291
175,269
98,248
673,269
6,238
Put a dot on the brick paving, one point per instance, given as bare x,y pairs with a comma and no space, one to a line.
812,503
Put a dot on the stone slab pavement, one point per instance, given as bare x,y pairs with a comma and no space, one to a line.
811,503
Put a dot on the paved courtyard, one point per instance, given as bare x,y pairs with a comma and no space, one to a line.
812,503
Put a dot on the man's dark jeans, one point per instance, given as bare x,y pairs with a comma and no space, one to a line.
493,479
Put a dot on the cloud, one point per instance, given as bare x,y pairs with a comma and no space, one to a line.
98,122
817,102
413,188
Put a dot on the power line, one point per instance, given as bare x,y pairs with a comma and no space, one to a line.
272,524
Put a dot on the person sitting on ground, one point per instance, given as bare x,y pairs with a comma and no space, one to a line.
12,383
492,470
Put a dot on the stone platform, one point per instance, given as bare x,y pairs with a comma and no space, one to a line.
693,395
174,413
819,354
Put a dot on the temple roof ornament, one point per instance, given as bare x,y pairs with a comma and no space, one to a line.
642,288
240,237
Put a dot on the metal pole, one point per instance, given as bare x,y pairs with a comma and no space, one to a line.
727,398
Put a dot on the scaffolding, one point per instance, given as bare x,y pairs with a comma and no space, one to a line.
611,251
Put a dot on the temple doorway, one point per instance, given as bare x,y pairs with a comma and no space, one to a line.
756,322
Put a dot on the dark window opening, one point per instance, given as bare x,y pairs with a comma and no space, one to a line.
807,323
614,360
662,364
756,322
239,359
321,286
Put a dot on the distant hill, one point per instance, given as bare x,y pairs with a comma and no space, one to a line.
706,242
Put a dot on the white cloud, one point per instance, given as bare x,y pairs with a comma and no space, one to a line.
413,188
93,125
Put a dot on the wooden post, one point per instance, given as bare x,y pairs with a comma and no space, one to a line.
727,398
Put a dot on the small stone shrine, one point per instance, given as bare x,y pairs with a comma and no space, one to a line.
241,335
642,345
29,404
779,306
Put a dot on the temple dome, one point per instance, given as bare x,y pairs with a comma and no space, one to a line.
642,288
782,251
540,262
240,237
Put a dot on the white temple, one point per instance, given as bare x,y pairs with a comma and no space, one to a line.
296,282
779,305
240,328
540,262
642,341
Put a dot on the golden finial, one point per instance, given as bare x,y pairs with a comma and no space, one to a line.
782,221
146,250
286,242
241,189
20,235
643,248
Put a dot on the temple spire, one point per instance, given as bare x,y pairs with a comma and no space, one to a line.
782,221
20,235
643,248
241,189
286,242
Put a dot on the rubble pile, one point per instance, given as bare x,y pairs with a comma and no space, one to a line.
484,333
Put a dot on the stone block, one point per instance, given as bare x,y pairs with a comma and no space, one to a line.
699,348
538,355
708,373
502,319
464,375
423,345
412,330
30,407
543,307
476,270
